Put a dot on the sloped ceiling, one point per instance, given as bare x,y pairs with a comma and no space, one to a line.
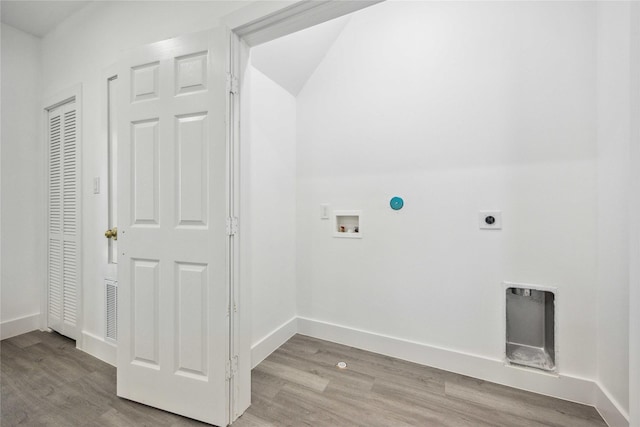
37,17
291,60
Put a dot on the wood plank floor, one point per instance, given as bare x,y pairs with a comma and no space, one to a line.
44,380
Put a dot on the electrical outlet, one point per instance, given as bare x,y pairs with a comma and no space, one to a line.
324,211
490,220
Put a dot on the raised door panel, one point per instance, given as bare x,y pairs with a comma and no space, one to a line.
192,339
145,172
144,82
191,73
145,325
192,169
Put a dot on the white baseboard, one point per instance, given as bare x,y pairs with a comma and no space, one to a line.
270,343
19,326
99,348
609,408
494,370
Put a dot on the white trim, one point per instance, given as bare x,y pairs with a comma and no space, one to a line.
237,406
99,348
109,74
19,326
485,368
634,218
270,343
239,53
609,409
296,17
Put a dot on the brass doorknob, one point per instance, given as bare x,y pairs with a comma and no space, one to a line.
112,234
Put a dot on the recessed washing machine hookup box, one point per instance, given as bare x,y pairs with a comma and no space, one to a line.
347,224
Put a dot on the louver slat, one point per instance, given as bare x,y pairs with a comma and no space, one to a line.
55,178
55,280
69,173
70,282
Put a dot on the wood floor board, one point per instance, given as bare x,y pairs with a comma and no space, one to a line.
26,340
379,365
298,344
46,381
532,406
250,420
313,407
275,412
351,377
422,407
266,385
296,376
378,370
365,409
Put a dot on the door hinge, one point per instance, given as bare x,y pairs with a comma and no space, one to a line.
232,226
231,368
232,305
234,366
232,84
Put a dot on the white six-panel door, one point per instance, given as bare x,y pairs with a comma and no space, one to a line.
63,242
173,327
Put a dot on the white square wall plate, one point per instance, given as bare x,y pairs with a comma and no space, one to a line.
490,220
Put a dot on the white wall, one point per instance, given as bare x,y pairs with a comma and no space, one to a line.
614,127
23,219
273,208
505,119
456,107
80,51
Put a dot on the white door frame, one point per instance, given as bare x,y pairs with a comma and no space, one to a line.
634,251
107,270
298,16
73,93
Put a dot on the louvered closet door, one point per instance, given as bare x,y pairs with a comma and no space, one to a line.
63,219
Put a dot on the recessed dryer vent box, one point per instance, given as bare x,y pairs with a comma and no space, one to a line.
347,224
530,324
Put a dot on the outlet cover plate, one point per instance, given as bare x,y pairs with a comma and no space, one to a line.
486,222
